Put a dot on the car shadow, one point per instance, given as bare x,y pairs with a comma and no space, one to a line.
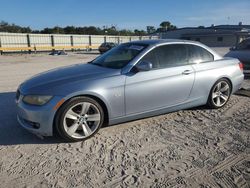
11,133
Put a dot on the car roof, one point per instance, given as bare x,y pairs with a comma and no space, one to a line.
169,41
163,41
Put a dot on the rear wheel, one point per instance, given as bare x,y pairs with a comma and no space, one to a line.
79,119
220,93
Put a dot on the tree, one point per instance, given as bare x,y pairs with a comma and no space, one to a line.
150,29
86,30
166,26
172,27
46,31
69,30
58,30
12,28
126,32
139,32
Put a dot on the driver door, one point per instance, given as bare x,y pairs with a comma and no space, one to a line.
168,83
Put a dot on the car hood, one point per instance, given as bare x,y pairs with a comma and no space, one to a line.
63,76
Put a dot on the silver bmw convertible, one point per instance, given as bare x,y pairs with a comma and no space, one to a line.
132,81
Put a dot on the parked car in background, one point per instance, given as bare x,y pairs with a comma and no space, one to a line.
131,81
242,52
106,46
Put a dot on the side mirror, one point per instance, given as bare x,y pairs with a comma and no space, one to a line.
144,66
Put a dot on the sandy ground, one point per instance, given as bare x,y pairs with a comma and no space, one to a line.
191,148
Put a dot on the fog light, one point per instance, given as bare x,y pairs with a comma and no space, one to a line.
33,124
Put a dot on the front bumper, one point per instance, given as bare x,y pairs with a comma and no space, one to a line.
37,119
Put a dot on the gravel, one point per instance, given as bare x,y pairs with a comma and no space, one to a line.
198,147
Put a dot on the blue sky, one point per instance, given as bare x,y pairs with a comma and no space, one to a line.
129,14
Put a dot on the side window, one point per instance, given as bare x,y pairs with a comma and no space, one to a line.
167,56
198,54
151,57
172,55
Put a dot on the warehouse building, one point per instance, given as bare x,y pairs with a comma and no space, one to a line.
214,36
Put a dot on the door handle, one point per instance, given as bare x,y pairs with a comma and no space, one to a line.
187,72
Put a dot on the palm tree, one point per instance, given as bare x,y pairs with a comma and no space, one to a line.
165,24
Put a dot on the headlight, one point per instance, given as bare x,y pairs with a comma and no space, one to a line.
36,99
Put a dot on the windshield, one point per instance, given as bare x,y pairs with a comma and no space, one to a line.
119,56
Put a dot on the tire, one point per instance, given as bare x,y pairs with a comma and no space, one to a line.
219,94
79,119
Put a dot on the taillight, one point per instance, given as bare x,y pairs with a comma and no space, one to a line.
241,66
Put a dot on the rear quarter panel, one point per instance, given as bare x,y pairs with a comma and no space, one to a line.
206,74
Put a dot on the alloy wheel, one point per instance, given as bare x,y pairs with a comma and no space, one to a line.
81,120
221,93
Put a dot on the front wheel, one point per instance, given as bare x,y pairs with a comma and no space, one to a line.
79,119
220,93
